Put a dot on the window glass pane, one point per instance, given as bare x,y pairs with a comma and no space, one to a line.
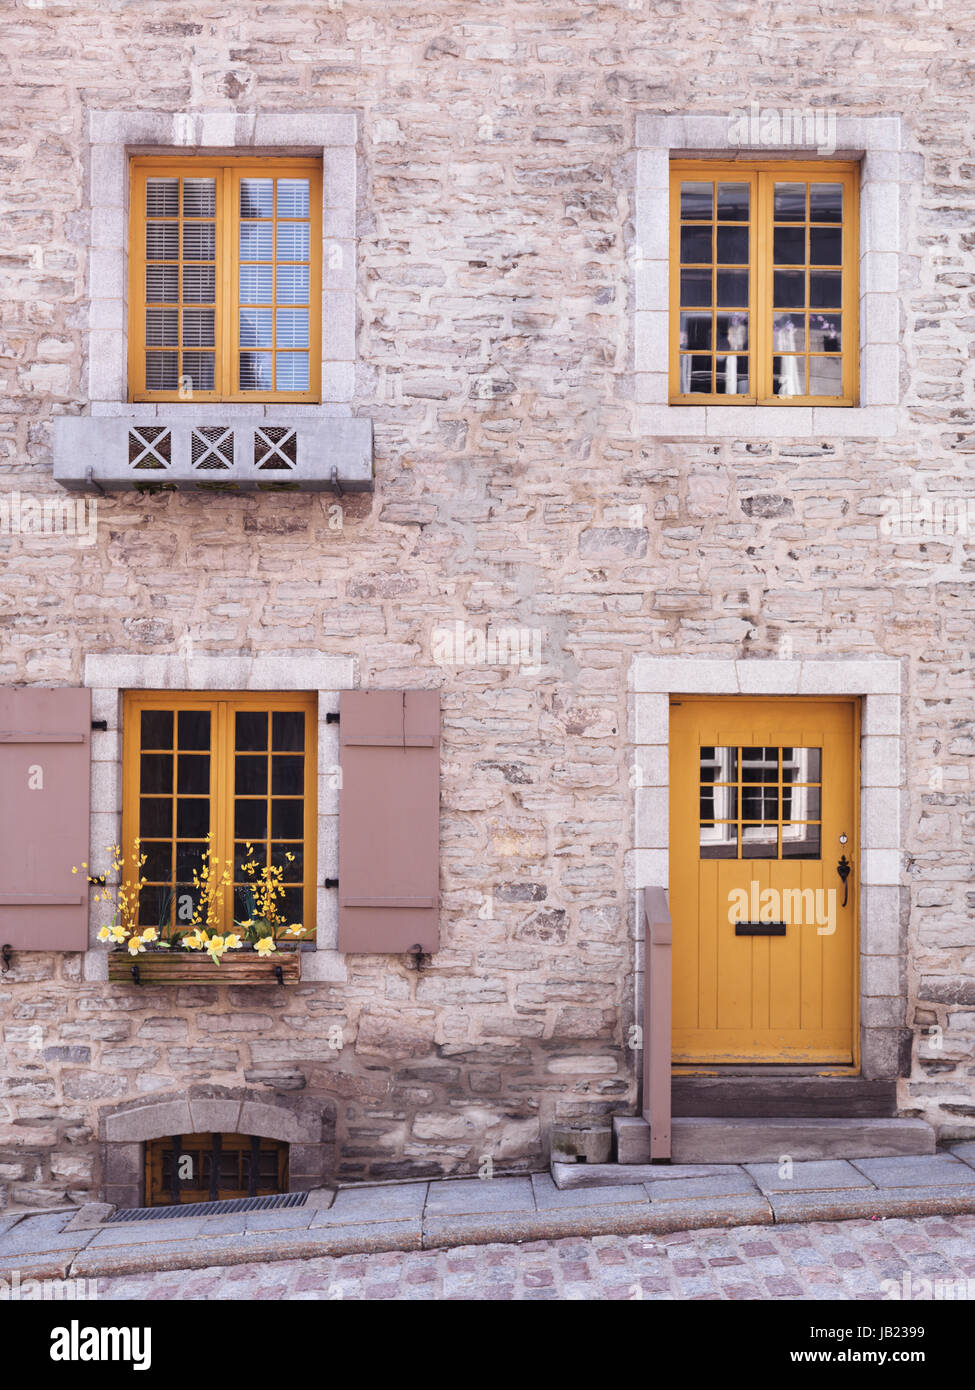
199,241
255,284
800,803
291,284
789,332
287,819
193,773
759,764
162,327
199,284
154,905
790,202
825,290
291,371
695,331
718,802
256,197
250,775
719,841
802,765
288,731
158,867
695,287
732,332
196,368
255,371
250,820
695,245
826,202
825,332
162,284
162,197
292,197
256,327
155,816
293,241
162,371
732,288
156,728
789,289
190,857
696,202
294,867
156,772
733,245
193,728
759,841
250,732
801,842
789,245
162,241
695,374
192,816
731,375
825,246
759,803
825,376
733,202
292,328
198,327
199,197
789,376
719,765
256,241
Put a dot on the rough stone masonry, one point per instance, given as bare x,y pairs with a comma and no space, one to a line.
495,357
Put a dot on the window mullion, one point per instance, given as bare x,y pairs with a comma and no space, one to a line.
227,282
762,242
222,802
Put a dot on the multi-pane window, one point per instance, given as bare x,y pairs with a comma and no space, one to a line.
760,803
225,280
228,776
763,286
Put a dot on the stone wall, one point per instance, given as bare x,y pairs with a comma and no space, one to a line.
496,207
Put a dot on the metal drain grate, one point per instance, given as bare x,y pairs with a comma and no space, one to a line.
279,1199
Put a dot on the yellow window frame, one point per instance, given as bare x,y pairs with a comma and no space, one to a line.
761,177
227,174
223,705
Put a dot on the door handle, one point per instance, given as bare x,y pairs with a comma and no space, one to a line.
844,868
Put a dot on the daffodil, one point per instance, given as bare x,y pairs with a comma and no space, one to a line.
118,933
150,934
135,945
265,946
295,929
104,934
232,942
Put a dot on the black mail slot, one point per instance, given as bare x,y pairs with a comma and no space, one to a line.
759,929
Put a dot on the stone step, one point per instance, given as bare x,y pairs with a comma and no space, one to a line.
707,1143
710,1140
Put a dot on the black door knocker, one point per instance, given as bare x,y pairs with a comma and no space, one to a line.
844,868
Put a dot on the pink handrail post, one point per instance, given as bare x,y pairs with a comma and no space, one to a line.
657,1020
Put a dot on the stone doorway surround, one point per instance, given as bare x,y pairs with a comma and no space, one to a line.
307,1126
882,970
108,676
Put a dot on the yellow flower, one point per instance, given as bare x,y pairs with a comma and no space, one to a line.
295,929
135,945
215,946
104,934
265,946
150,934
232,942
118,933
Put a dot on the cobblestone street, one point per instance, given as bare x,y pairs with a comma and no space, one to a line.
831,1260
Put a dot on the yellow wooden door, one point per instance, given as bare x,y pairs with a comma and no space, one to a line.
763,809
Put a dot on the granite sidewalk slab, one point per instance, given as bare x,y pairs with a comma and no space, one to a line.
446,1213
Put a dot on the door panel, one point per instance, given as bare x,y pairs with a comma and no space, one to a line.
764,949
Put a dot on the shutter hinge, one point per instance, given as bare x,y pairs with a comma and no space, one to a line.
5,957
331,883
100,724
332,717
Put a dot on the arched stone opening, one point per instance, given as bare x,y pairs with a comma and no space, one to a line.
306,1125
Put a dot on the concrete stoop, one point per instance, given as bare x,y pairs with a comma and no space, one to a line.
759,1140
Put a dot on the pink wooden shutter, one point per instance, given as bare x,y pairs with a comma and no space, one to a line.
389,820
45,791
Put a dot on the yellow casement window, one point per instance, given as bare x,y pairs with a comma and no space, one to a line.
210,774
225,280
763,283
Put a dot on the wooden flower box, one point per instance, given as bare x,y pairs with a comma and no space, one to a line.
242,967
